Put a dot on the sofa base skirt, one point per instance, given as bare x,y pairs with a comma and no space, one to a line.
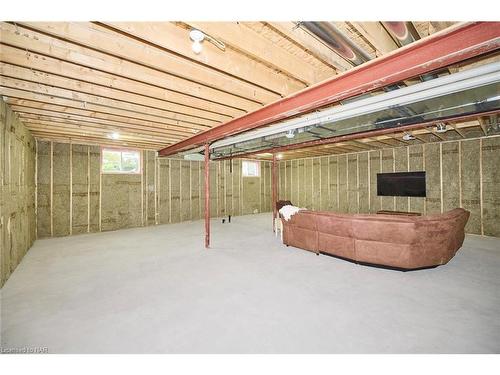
383,266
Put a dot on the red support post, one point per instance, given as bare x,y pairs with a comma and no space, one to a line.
275,191
207,196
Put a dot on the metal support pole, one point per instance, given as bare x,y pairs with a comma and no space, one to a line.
207,196
274,188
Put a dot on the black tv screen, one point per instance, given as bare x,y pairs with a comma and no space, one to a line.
401,184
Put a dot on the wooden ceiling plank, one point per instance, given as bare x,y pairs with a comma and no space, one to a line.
482,124
23,106
244,39
377,35
113,43
22,96
311,44
96,141
436,134
88,98
176,38
457,130
55,47
57,117
65,128
173,101
24,74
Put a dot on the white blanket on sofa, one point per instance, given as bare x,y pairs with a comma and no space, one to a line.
288,211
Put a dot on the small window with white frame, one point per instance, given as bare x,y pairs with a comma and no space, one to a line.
250,168
120,161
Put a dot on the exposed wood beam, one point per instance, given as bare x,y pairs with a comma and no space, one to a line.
457,130
420,134
22,97
50,131
25,106
109,42
52,91
94,141
176,39
436,134
173,101
75,53
58,117
377,134
377,35
437,51
483,124
85,129
137,101
424,137
311,45
244,39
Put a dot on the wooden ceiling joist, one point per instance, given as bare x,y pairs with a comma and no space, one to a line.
175,38
12,75
22,96
20,107
51,129
50,45
52,91
78,120
426,55
311,45
242,38
115,44
377,36
103,128
483,124
80,81
173,101
91,140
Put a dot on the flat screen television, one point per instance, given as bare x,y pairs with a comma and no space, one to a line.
401,184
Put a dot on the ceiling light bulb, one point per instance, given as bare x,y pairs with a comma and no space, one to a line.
196,35
441,128
290,134
408,137
114,135
196,47
279,156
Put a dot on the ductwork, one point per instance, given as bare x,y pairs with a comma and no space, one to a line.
403,33
337,41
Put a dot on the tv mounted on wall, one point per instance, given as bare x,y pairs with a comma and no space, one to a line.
401,184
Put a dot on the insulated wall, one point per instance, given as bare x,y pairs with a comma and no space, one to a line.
463,173
17,200
75,197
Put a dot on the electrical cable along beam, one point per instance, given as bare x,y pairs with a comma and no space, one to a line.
451,46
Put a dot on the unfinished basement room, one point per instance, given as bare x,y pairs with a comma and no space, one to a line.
250,187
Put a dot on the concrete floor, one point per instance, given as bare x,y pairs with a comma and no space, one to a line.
156,290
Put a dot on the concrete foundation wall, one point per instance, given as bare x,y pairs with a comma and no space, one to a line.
75,197
17,200
462,173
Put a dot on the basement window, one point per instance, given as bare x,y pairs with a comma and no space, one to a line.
251,168
120,161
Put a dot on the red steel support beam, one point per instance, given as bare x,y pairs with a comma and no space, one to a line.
450,46
370,133
207,196
275,191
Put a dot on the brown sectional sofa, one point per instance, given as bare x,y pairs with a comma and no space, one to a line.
404,242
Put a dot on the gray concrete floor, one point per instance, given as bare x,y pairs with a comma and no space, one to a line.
157,290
